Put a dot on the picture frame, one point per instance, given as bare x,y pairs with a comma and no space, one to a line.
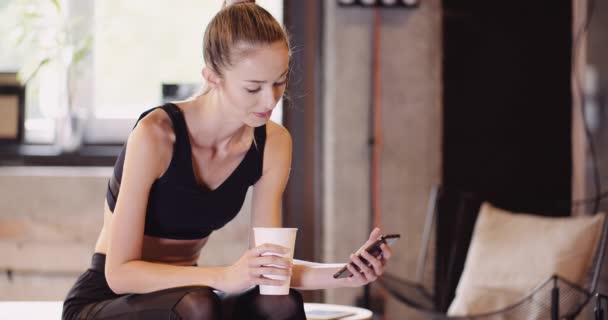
12,109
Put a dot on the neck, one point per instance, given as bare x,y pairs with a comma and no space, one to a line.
209,124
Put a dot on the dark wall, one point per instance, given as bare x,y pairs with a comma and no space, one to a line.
507,115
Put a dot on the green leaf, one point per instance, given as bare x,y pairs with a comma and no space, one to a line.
57,4
24,77
83,50
20,38
31,15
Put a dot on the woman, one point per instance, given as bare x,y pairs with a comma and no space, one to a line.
184,173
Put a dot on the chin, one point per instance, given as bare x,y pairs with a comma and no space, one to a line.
262,122
256,122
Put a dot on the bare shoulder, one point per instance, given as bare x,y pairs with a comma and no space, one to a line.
278,148
153,139
156,124
277,135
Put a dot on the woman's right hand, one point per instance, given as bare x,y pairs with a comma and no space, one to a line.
250,269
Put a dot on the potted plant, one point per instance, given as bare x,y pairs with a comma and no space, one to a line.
55,43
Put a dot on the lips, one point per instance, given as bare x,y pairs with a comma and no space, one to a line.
263,115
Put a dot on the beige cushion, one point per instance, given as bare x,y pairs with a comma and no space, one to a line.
510,254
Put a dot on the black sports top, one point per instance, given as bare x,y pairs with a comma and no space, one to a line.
180,208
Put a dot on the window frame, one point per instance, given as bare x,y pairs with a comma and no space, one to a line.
104,135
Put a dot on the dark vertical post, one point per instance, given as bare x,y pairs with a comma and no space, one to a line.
302,206
555,300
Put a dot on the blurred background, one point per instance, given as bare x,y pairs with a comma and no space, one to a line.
384,103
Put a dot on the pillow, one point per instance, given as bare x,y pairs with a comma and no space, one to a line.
511,254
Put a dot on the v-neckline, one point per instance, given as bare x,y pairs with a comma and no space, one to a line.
206,188
203,187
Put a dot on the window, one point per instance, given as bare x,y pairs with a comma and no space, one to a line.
138,48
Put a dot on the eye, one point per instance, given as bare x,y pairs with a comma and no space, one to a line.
254,90
278,84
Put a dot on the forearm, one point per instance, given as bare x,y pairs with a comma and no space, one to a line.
311,276
143,277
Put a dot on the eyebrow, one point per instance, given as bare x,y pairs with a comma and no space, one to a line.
262,81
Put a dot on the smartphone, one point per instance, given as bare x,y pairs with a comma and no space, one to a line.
373,249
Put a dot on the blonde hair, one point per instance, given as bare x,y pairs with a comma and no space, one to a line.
235,29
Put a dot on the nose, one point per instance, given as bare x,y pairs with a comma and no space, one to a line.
271,98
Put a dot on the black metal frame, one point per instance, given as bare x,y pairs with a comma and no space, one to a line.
561,291
598,310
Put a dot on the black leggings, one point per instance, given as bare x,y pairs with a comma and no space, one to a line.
92,298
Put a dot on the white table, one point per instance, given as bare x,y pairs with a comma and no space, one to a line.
43,310
51,310
356,313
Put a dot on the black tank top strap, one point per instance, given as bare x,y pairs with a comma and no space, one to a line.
177,118
181,159
145,113
181,149
259,134
181,142
116,177
173,112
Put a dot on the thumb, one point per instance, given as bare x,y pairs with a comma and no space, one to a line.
375,234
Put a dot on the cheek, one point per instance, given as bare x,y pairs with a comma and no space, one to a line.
278,94
241,99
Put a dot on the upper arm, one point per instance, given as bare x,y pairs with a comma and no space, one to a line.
268,191
144,162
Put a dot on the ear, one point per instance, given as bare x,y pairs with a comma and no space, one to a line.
211,77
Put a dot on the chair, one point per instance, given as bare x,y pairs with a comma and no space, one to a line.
555,298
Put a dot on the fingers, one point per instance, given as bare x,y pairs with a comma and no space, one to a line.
375,262
261,276
268,282
268,248
370,275
265,271
271,260
268,265
356,276
373,236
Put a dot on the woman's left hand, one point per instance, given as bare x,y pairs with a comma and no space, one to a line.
367,274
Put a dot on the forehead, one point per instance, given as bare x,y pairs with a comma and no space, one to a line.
261,62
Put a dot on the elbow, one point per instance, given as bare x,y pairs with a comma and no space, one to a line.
115,281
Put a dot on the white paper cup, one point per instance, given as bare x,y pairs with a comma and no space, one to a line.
285,237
